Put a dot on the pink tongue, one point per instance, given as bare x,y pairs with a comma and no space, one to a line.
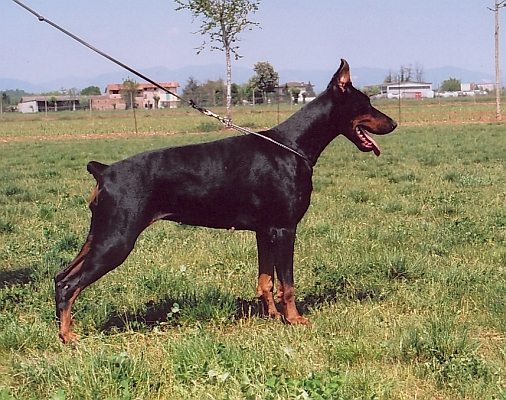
375,147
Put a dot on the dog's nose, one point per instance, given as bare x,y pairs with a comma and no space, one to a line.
394,124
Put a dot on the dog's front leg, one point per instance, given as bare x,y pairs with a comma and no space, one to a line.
266,273
283,246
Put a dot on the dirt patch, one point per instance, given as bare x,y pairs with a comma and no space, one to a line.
84,137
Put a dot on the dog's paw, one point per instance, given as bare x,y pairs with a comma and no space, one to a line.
68,337
298,320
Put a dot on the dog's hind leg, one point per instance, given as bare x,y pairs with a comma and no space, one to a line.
105,249
63,313
91,264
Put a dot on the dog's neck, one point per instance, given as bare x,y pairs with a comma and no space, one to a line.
311,128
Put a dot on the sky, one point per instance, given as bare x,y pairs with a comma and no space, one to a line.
293,34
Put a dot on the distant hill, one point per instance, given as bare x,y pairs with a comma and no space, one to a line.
361,76
13,84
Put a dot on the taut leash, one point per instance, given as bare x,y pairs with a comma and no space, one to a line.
191,103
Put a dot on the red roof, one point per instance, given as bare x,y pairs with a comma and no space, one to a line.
119,86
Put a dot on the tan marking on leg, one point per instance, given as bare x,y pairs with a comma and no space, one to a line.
279,293
264,291
76,264
291,313
65,332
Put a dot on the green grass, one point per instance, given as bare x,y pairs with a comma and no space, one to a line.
400,264
71,124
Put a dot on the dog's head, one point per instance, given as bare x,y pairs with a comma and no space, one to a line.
357,116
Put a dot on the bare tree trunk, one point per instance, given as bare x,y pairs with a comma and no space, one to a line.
229,86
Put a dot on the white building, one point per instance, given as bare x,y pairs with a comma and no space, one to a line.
407,90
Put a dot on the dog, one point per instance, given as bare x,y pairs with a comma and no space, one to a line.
240,182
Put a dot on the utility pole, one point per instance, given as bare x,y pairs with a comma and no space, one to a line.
498,4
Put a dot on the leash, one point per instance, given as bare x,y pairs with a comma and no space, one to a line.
191,103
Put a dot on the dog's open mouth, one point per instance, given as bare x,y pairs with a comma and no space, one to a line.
365,142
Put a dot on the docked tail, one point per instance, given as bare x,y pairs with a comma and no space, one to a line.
96,169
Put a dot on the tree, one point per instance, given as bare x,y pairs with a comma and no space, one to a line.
91,91
310,90
254,92
389,78
156,99
54,101
405,73
371,90
295,94
222,21
14,96
236,93
191,90
128,91
214,92
265,79
450,85
419,72
73,92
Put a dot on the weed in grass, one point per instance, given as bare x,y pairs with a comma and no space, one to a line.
461,179
360,196
208,127
45,174
464,231
404,177
431,159
12,190
251,125
408,188
398,267
392,207
68,243
46,213
314,386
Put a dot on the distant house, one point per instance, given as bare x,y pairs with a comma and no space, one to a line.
285,88
148,96
407,90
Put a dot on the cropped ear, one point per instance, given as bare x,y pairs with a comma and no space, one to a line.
343,75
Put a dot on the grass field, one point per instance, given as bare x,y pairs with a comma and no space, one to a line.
400,264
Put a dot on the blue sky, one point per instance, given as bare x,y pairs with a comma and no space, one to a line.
299,34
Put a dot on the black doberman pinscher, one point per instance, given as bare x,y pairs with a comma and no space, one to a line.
241,182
